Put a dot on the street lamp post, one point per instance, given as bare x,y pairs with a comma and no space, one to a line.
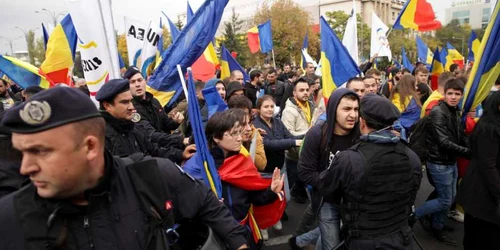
10,40
52,14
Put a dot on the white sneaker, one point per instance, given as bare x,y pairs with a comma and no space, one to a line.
278,226
456,215
265,235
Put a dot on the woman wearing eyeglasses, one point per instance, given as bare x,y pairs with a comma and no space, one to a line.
253,201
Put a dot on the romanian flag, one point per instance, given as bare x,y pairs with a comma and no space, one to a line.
204,68
260,38
240,171
45,36
337,65
437,69
417,15
23,73
453,56
159,50
189,13
424,53
406,62
487,67
305,44
165,83
201,165
474,44
60,53
229,64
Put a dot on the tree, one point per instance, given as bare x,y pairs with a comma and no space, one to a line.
289,25
338,21
398,39
39,51
233,38
456,34
122,47
30,42
179,23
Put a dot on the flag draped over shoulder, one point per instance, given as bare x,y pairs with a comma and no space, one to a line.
453,56
260,38
406,62
60,52
486,69
417,15
240,171
229,64
474,44
437,69
23,73
201,166
165,83
336,63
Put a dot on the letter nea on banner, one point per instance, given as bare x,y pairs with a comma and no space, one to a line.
136,32
97,60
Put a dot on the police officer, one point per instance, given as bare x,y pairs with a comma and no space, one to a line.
378,178
81,197
122,136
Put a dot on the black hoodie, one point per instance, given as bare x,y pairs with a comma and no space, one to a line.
315,153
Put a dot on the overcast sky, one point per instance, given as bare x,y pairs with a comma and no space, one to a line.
22,13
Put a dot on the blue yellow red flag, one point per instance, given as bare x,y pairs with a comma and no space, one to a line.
424,20
229,64
336,62
201,165
406,62
437,69
486,69
165,83
60,53
474,44
23,73
453,56
423,52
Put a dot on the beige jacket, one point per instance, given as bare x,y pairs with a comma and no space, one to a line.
260,159
295,121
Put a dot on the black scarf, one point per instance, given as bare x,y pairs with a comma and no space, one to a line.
120,125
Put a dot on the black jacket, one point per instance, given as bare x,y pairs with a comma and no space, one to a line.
286,95
123,139
445,137
251,93
276,90
114,218
276,140
479,191
155,123
10,163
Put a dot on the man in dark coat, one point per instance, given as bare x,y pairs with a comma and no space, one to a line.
81,197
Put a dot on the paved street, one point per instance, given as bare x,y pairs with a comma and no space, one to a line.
279,240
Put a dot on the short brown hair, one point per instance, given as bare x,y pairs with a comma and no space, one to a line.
261,100
373,72
455,84
422,69
444,77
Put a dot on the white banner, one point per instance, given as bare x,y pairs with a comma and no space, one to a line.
136,32
379,43
98,58
350,40
149,47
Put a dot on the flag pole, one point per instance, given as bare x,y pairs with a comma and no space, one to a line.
183,81
274,61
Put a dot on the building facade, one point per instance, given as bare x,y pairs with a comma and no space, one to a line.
476,13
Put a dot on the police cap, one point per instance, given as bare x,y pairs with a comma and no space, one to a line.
112,88
31,90
49,109
131,71
378,110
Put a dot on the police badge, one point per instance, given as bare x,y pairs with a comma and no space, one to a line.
136,117
35,112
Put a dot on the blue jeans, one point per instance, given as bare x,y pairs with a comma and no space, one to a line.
311,237
445,180
329,225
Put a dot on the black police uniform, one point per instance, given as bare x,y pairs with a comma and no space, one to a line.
379,178
123,212
122,136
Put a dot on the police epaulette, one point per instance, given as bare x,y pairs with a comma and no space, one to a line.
184,172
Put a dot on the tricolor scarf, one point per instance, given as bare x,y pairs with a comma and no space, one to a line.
306,109
240,171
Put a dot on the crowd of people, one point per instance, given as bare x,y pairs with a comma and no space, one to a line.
118,176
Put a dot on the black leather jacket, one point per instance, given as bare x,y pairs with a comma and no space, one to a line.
445,137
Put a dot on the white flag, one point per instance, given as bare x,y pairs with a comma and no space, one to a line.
98,55
379,43
308,58
350,40
136,31
149,47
